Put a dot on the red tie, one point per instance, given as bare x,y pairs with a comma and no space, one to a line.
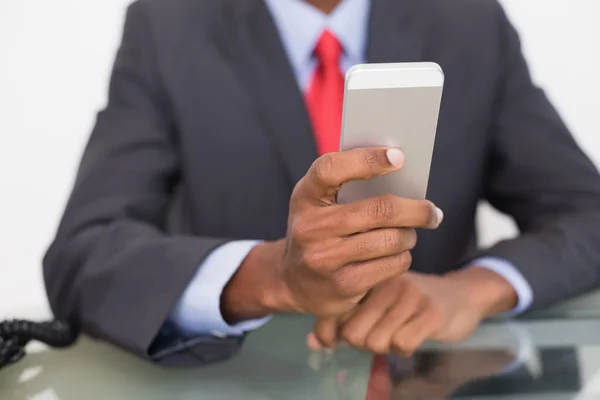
325,94
380,385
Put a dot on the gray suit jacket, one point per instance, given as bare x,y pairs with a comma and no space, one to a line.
206,133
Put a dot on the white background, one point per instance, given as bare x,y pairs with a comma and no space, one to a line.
55,57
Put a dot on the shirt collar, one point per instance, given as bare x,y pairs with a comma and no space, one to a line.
300,25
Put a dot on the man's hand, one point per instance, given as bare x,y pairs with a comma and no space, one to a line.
401,313
333,253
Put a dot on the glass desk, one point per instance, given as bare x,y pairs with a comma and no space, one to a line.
550,355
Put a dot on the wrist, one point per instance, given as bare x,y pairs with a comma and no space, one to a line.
257,288
489,293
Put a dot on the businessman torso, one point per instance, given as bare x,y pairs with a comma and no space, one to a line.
240,125
206,134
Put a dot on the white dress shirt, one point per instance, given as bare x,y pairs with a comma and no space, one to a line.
300,25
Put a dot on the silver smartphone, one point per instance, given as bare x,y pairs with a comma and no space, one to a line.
392,105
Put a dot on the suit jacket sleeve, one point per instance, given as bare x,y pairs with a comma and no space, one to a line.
112,269
540,176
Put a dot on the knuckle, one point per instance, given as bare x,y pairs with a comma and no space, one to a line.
314,259
299,188
301,229
370,160
351,337
411,296
405,345
394,239
365,247
425,304
395,264
377,345
436,314
323,169
386,265
344,285
381,208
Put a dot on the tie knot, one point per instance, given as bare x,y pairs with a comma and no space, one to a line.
328,49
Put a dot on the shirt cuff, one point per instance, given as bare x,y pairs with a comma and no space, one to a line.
198,311
508,271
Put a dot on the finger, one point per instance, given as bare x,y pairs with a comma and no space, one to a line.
379,339
313,343
365,246
326,332
411,336
356,329
356,279
386,211
330,171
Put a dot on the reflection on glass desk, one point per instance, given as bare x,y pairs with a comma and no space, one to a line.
551,355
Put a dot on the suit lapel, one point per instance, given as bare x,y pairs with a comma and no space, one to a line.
390,38
249,39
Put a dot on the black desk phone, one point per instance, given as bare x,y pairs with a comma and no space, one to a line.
16,334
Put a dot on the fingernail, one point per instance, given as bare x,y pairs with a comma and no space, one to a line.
440,215
396,157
